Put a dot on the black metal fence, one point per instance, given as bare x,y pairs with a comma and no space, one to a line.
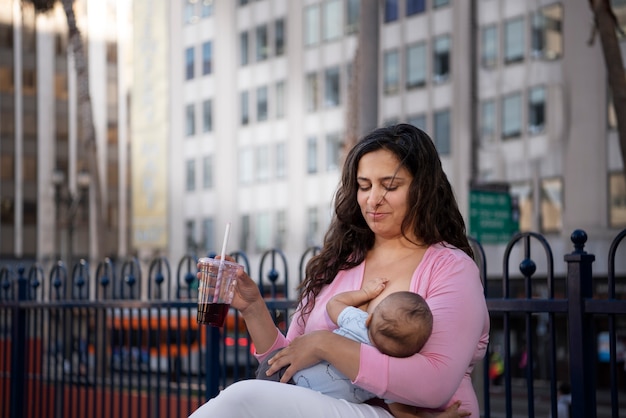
73,345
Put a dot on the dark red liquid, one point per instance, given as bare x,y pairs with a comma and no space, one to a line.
212,313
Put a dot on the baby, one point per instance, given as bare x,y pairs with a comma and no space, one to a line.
398,326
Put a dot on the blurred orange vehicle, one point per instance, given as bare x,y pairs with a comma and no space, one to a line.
164,339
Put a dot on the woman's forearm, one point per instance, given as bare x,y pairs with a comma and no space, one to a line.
260,325
341,352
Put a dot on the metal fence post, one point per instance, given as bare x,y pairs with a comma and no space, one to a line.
18,348
581,343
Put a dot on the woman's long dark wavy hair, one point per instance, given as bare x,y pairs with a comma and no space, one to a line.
433,213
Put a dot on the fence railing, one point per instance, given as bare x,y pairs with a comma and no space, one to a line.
79,345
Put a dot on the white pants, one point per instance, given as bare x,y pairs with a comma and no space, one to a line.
267,399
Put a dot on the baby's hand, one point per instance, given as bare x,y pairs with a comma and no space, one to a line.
373,287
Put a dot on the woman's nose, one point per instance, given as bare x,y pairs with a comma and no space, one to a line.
376,197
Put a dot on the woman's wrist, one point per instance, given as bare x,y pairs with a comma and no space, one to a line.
254,309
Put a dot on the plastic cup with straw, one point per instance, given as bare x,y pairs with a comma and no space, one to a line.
217,282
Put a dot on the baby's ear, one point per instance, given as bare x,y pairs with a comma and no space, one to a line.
368,320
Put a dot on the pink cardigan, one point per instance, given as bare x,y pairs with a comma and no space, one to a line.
440,374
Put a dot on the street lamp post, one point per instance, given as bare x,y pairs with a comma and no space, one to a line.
68,201
68,198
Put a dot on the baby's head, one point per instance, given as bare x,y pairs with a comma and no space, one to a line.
400,325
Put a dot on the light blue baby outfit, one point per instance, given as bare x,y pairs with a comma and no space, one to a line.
324,377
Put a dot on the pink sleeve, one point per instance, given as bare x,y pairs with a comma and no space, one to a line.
318,318
451,286
295,329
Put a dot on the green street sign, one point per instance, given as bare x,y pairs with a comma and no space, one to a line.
491,216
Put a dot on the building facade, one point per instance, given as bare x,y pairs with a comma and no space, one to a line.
511,93
47,197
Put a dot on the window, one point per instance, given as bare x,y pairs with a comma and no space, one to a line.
243,48
190,120
262,45
207,172
352,16
536,110
416,65
280,100
440,3
281,229
619,8
487,120
189,12
390,121
441,58
190,232
489,42
512,115
279,37
189,63
415,7
551,205
244,238
442,131
333,151
617,200
281,161
207,116
311,155
514,40
610,110
391,72
246,166
262,163
523,194
245,110
312,226
190,180
312,25
418,121
331,87
261,103
263,231
208,234
391,10
333,20
311,95
546,33
206,8
207,57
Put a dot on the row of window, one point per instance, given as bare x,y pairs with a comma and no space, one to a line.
207,173
416,65
270,229
546,37
440,133
512,114
394,8
325,22
255,164
259,232
207,60
263,109
194,10
265,36
207,117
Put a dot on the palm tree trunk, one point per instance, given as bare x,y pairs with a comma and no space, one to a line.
87,135
606,26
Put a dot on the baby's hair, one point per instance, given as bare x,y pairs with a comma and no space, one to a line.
406,319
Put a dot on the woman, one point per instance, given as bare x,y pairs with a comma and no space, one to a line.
395,217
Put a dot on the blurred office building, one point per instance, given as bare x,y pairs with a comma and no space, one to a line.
262,98
47,181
